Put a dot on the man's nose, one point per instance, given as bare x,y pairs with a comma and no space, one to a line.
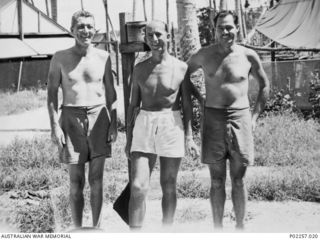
154,37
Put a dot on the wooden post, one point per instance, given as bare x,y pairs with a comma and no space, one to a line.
20,75
127,60
20,20
107,45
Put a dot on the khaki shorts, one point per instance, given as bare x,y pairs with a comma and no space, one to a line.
85,130
159,133
227,134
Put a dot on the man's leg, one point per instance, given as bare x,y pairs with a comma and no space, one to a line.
239,192
217,191
96,169
168,179
77,181
141,168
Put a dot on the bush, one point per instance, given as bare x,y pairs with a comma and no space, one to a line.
30,165
286,140
36,218
285,183
18,102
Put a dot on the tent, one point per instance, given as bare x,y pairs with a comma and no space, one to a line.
293,23
27,32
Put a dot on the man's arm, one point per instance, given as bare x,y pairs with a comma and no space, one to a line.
133,108
187,115
111,101
54,81
264,85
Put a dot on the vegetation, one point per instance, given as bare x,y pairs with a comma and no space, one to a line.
13,103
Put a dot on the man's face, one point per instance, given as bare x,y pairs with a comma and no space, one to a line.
226,30
84,30
156,36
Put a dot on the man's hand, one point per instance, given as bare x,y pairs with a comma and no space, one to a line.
58,138
112,133
253,123
192,148
127,149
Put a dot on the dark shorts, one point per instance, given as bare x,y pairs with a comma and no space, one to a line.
85,130
227,134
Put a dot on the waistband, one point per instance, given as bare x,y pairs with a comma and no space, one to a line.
82,108
162,112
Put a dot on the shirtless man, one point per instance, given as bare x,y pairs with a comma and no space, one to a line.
228,124
154,125
87,124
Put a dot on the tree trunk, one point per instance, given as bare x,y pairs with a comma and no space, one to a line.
187,28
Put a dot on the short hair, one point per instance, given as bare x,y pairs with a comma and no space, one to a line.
158,21
78,14
225,13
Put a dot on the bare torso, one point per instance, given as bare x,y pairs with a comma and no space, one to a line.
82,77
159,83
226,77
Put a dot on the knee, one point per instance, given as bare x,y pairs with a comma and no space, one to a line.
237,182
76,188
168,185
139,189
217,183
95,181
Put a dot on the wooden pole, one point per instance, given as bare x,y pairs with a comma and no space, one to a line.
153,9
107,45
47,8
134,10
144,10
127,60
19,76
20,20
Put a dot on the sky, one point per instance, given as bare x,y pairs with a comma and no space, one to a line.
67,7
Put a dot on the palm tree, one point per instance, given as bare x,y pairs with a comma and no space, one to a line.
187,28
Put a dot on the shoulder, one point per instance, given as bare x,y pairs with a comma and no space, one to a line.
104,55
250,53
202,54
181,65
61,55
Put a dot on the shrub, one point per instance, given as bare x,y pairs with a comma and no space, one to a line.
18,102
190,186
35,218
286,140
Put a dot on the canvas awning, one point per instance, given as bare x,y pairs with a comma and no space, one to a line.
48,46
13,48
31,47
293,23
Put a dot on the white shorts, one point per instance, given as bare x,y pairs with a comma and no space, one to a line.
160,133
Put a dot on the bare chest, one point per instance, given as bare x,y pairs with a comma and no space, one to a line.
164,79
85,70
231,69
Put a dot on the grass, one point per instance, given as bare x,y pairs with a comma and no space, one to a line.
19,102
287,166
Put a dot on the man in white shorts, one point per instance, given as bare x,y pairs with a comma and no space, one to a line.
154,124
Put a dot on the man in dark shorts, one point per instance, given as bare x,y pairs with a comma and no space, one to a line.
227,121
87,124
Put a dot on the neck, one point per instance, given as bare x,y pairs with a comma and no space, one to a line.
158,56
227,48
82,50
